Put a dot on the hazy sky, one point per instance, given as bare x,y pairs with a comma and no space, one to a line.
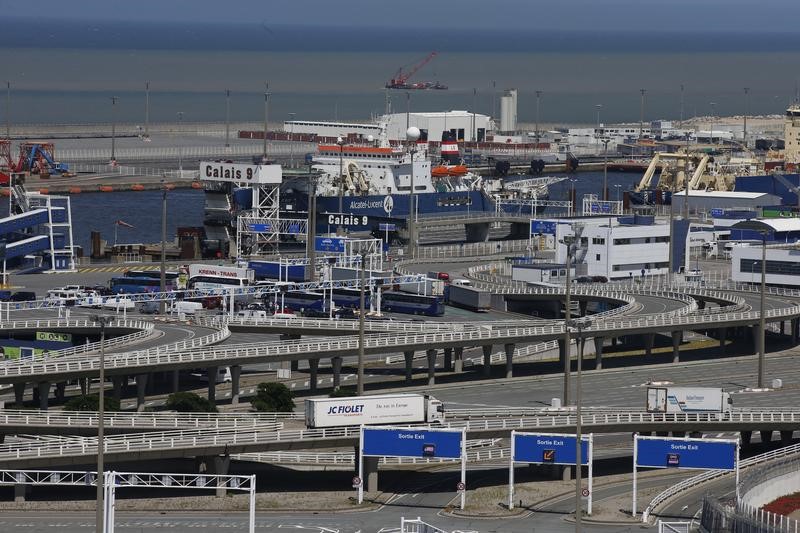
649,15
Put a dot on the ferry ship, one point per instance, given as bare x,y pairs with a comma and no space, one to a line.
376,181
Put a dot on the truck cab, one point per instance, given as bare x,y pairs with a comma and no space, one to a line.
434,410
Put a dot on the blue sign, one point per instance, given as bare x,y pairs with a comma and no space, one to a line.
686,453
329,244
600,207
543,226
390,442
387,227
717,212
548,449
260,228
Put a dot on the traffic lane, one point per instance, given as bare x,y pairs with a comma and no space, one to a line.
626,387
689,503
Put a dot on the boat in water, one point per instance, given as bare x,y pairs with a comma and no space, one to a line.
375,180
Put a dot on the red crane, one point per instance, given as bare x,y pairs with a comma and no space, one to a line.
400,79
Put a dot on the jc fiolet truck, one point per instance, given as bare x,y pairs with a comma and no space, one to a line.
383,409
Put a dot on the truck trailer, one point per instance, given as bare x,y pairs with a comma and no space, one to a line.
382,409
469,298
688,400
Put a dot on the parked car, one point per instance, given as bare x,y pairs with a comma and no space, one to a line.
599,279
583,279
23,296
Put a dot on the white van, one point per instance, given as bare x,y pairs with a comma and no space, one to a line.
65,296
187,308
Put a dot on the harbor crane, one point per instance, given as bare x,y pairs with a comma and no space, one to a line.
400,79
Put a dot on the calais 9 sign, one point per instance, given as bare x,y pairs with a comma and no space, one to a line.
239,173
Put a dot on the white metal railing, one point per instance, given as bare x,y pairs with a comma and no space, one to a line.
153,153
175,443
145,329
708,475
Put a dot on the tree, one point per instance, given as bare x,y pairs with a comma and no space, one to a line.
91,402
273,397
189,402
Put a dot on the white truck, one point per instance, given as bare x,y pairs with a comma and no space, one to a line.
382,409
688,400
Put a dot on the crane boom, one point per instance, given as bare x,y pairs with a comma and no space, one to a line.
400,79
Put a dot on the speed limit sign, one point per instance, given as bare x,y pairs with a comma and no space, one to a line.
460,486
356,482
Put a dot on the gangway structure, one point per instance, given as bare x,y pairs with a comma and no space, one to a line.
38,224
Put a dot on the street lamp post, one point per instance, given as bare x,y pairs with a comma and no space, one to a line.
746,111
227,118
605,142
291,139
114,130
147,110
762,323
102,321
360,384
163,278
412,134
567,240
579,324
641,113
266,119
713,112
180,148
597,126
538,97
340,144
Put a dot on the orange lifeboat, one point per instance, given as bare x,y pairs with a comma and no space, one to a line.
457,170
44,191
439,172
5,192
197,185
74,190
106,188
137,187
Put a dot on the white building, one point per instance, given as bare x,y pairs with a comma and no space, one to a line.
465,126
616,248
331,129
783,264
508,111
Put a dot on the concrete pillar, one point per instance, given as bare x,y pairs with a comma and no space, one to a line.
754,335
236,374
598,352
676,346
313,374
222,465
766,436
477,232
44,394
649,339
582,307
795,323
84,385
723,340
294,366
19,493
212,383
431,366
409,357
176,380
487,360
141,384
566,473
613,341
448,359
336,363
459,362
61,387
371,474
562,352
510,360
747,436
786,437
783,327
19,394
117,382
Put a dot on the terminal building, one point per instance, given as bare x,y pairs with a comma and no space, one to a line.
617,247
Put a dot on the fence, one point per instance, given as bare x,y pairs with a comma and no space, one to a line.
717,517
188,153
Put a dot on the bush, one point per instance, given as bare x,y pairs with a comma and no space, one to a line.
91,402
342,392
273,397
189,402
